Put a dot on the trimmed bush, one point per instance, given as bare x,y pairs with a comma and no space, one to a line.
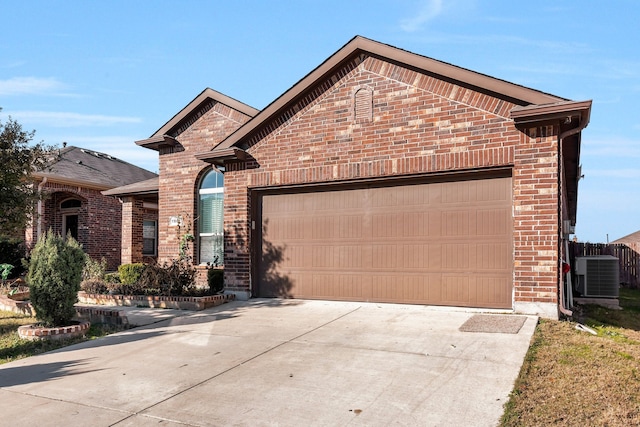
215,279
130,273
55,272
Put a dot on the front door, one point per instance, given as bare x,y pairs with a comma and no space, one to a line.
70,225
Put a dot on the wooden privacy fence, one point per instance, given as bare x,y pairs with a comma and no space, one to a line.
629,259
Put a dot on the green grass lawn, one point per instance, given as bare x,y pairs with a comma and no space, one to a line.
12,347
573,378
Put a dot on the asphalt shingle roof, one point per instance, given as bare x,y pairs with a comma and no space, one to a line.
150,186
91,167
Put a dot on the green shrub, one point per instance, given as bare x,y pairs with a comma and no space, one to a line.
5,271
55,272
130,273
12,251
112,278
215,279
93,275
94,270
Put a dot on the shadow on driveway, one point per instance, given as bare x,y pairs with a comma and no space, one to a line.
18,375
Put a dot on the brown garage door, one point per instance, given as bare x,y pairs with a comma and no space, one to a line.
444,243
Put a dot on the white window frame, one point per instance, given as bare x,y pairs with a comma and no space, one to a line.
202,192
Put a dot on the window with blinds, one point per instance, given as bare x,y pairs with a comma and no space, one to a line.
149,238
211,218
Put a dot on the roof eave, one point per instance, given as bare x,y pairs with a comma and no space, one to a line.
69,181
129,193
158,142
219,156
523,115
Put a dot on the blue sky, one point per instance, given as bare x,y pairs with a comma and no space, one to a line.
102,75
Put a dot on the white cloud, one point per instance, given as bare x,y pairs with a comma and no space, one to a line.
32,86
68,119
429,10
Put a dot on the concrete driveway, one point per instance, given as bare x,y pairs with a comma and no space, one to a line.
276,363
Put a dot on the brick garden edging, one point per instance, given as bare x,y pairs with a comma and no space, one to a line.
19,307
34,332
103,315
177,302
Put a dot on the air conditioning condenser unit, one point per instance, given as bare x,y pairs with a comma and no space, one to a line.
598,276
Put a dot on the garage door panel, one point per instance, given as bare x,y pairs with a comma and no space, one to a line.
455,287
438,243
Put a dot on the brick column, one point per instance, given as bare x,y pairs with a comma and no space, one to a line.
237,263
536,219
132,219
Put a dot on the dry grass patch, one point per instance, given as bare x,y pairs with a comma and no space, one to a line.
573,378
12,347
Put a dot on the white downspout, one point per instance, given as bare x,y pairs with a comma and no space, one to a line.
39,226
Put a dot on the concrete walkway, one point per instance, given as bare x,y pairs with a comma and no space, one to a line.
275,363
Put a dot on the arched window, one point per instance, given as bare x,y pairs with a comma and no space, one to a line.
211,218
70,204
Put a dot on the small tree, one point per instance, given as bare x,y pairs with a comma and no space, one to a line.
12,251
18,159
55,273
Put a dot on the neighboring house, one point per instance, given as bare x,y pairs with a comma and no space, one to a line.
632,240
74,205
383,176
139,202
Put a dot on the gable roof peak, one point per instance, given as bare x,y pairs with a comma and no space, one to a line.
517,94
206,98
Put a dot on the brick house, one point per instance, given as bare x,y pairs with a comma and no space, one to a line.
73,203
382,175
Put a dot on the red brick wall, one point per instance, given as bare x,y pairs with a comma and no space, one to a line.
536,220
131,245
99,227
180,173
419,125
